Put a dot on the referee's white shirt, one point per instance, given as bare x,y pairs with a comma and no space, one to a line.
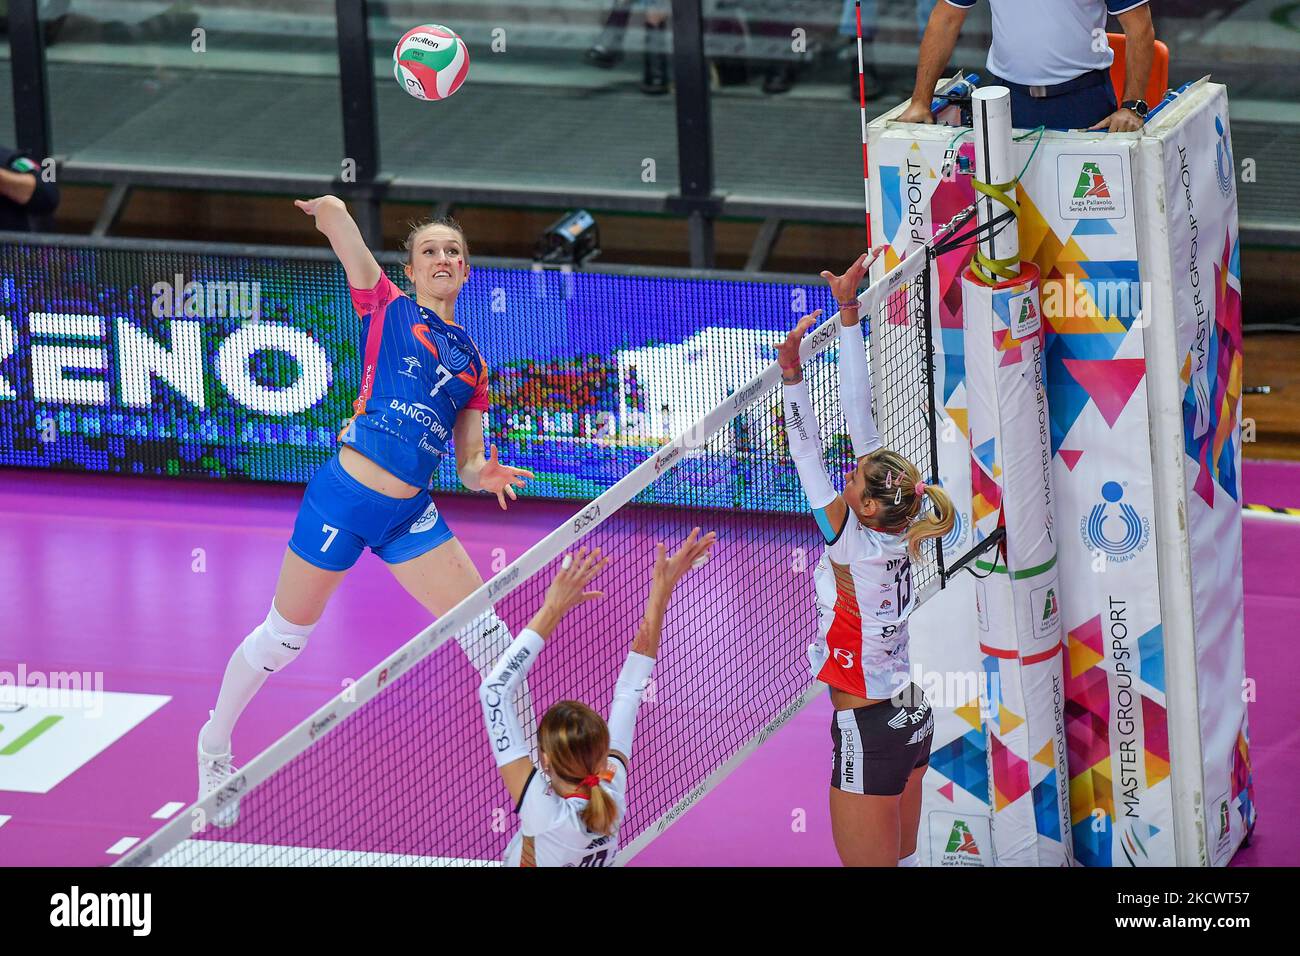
1045,42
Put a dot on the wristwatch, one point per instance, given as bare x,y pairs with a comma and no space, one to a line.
1137,106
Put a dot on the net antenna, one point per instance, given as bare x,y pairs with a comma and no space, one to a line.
397,769
960,232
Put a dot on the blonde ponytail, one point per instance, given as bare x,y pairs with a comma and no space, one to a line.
601,812
933,522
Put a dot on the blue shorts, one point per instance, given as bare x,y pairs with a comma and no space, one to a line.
340,517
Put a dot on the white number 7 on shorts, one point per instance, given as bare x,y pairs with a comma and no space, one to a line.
329,540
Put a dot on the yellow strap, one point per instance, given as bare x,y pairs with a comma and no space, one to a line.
988,269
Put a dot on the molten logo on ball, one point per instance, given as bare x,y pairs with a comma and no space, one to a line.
430,62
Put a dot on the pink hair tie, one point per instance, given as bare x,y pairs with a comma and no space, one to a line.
919,490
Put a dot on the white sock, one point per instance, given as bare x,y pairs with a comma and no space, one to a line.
238,687
910,860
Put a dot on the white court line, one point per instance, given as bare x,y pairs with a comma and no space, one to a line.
122,845
192,853
4,819
167,810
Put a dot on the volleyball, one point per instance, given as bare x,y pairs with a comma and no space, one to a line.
430,62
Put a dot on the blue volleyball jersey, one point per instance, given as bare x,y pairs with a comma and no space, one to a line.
418,372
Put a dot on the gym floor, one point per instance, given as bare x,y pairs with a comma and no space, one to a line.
99,574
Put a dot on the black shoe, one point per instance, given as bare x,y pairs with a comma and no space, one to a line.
731,71
654,81
607,51
779,79
603,56
52,29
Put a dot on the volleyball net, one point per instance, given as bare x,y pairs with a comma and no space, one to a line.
397,770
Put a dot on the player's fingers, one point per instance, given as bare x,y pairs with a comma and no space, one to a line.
510,490
593,568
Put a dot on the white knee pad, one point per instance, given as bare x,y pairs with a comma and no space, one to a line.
485,640
910,860
275,642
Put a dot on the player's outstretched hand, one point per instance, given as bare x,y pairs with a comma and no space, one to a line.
787,352
313,206
501,479
569,587
669,569
845,287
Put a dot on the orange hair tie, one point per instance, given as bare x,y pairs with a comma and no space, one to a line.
591,781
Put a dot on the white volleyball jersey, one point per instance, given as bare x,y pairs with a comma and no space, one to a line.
554,824
864,596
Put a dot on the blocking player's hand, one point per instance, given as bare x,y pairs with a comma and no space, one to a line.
845,287
569,586
787,352
694,552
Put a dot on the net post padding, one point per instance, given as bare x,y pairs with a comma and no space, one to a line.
325,720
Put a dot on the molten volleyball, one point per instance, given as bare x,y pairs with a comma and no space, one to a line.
430,62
